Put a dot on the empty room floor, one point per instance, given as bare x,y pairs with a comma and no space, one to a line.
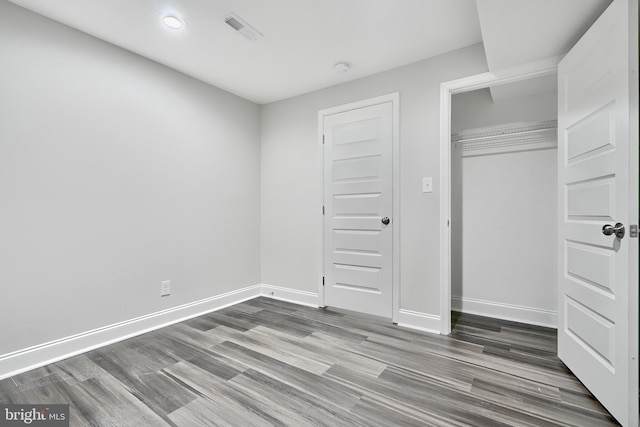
267,363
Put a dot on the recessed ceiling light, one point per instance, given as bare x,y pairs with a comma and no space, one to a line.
172,22
341,67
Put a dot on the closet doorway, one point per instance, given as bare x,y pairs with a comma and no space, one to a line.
504,201
597,184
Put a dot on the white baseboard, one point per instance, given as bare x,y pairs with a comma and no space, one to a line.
295,296
516,313
420,321
44,354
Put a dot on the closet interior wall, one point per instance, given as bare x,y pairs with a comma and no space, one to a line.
504,215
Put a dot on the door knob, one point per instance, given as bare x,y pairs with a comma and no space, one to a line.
609,229
385,220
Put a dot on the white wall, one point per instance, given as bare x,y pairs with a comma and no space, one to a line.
115,173
291,238
504,216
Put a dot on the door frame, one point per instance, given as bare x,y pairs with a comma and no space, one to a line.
544,67
394,98
634,213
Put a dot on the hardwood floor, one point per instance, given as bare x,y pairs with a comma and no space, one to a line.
266,362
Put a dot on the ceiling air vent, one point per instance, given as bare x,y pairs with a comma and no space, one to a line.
241,26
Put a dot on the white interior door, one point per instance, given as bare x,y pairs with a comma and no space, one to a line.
358,209
593,159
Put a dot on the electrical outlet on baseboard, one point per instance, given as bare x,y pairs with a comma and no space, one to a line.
165,288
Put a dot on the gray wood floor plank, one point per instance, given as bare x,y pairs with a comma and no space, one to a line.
470,408
219,412
219,397
223,333
291,375
237,321
389,351
312,326
431,404
190,336
333,347
219,366
321,412
272,305
377,412
549,409
263,318
148,386
279,352
266,362
201,323
289,415
299,347
583,400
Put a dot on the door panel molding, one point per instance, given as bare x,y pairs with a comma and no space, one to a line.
394,98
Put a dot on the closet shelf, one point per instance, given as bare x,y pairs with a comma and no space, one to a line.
518,136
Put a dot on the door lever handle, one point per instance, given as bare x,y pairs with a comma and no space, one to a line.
609,229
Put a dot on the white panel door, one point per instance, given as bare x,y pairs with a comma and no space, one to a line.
358,201
593,177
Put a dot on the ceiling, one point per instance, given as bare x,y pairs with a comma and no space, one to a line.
304,39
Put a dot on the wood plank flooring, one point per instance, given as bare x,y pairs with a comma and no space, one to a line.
271,363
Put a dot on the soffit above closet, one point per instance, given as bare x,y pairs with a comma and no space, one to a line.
519,31
304,39
524,88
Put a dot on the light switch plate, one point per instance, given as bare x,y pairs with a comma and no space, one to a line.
165,288
427,185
